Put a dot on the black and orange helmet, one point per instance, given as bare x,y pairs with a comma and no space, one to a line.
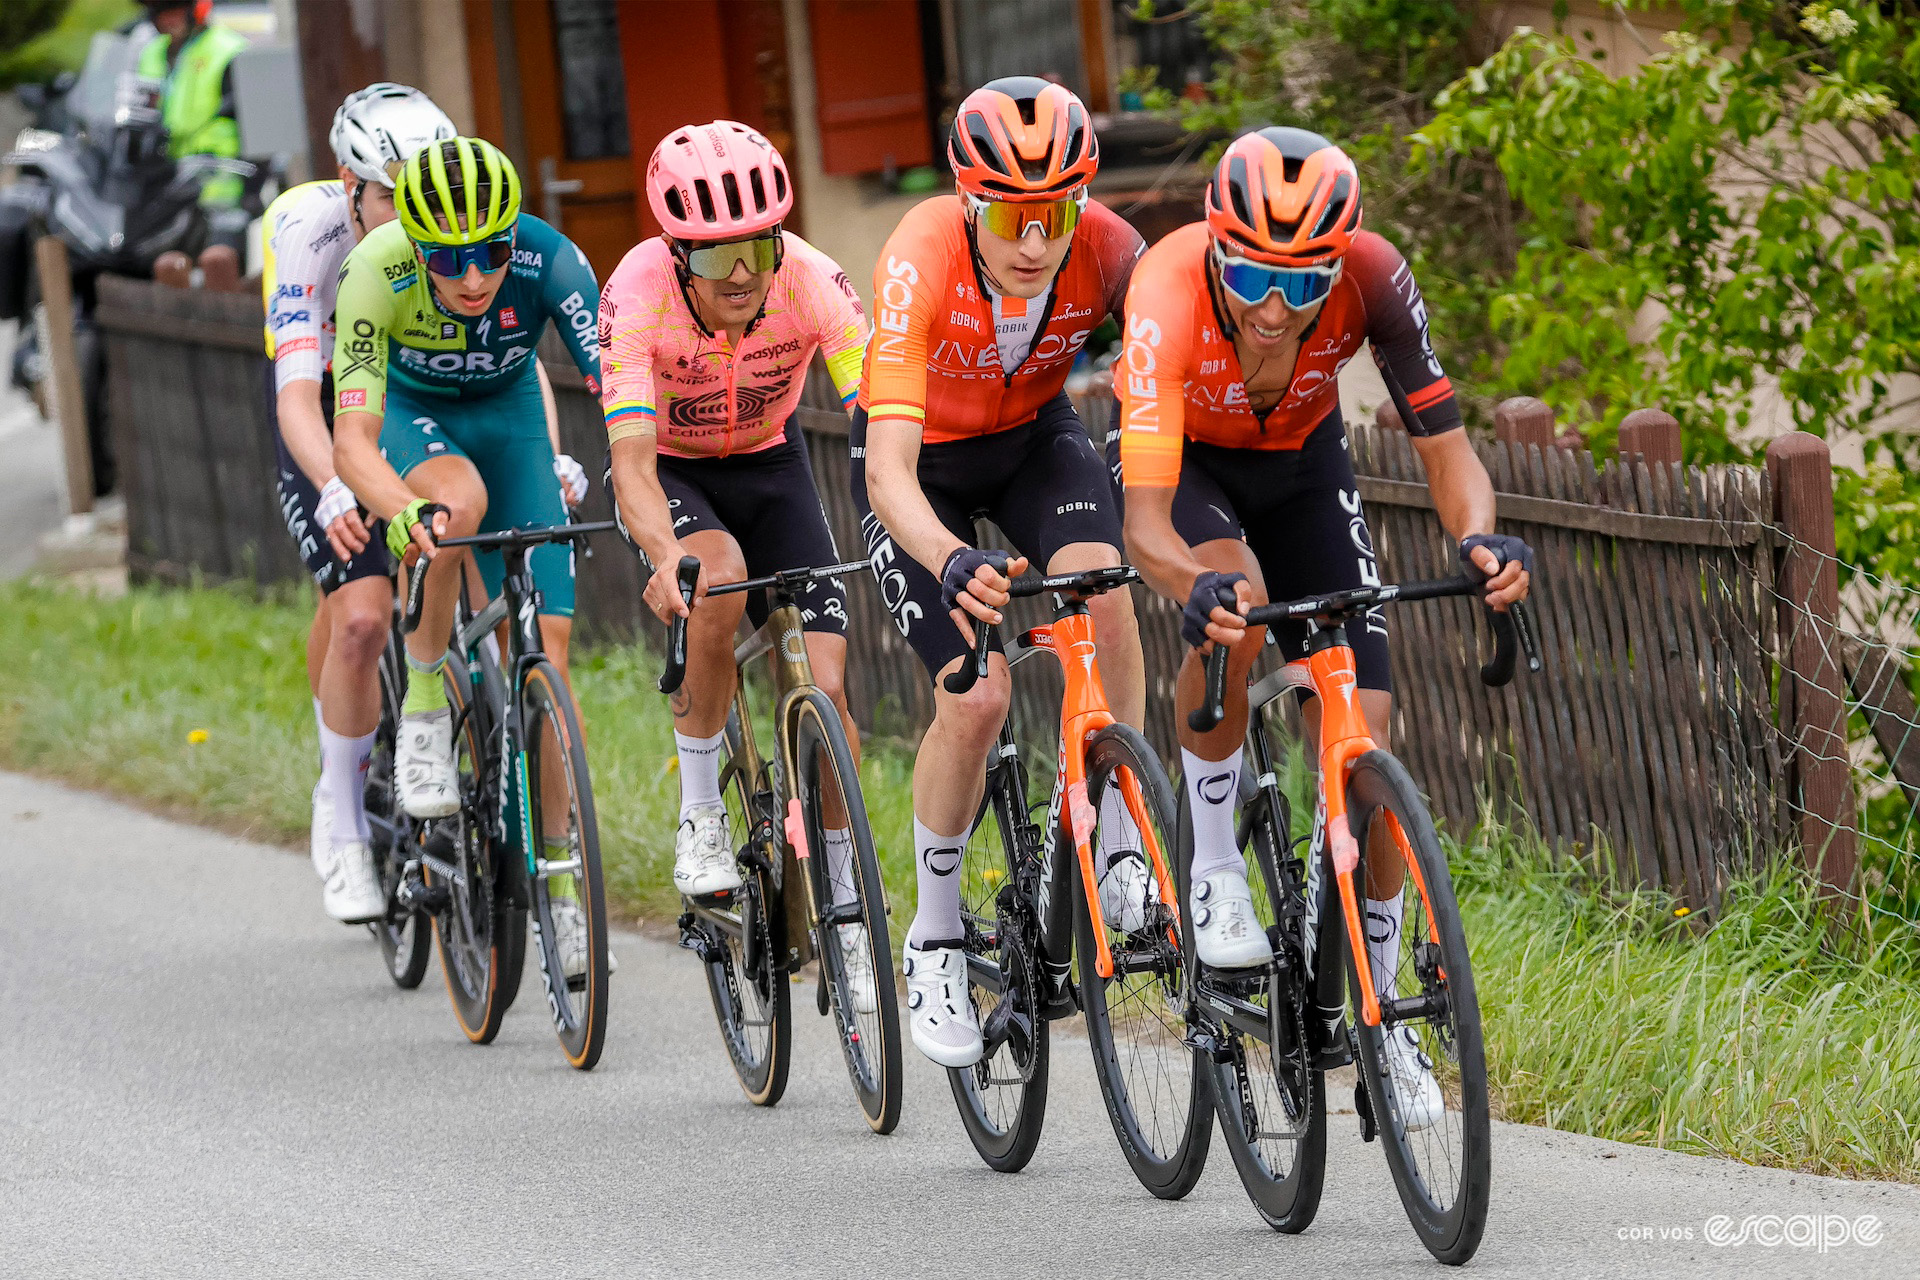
1022,138
1286,197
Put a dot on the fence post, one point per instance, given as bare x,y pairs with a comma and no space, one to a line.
1813,707
1654,434
1524,420
63,369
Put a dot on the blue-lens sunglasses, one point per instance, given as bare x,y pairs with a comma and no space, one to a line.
452,260
1251,282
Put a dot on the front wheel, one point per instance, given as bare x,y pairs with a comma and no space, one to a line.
1157,1088
482,932
1424,1066
405,936
851,904
742,938
569,902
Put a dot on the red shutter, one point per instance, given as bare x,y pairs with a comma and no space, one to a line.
870,84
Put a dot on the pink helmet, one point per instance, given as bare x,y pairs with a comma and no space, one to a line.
717,181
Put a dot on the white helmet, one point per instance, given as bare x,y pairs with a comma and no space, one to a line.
379,128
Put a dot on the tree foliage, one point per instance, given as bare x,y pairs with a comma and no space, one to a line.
1737,213
41,38
1365,74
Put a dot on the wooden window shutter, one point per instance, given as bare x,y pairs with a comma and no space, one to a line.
870,85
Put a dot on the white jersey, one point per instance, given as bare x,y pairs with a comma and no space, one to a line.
309,232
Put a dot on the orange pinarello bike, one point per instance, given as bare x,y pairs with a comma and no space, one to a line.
1030,902
1271,1033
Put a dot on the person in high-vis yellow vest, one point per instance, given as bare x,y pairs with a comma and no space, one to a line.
195,63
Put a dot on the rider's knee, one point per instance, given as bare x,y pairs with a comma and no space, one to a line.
1113,614
977,714
360,630
832,681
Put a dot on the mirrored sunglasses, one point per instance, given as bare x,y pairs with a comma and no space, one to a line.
1010,220
452,260
1252,282
717,261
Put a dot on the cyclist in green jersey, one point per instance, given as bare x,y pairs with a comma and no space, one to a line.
439,424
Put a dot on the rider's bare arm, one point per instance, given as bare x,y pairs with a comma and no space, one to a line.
356,455
643,506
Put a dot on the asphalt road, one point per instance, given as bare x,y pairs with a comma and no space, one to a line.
200,1075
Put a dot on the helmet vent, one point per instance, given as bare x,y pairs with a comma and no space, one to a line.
779,185
730,187
1076,135
1336,205
703,192
1237,189
675,205
1026,108
759,185
1290,167
983,144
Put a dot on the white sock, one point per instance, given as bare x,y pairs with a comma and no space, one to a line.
699,771
1212,788
320,724
1118,834
343,771
1383,939
936,871
839,842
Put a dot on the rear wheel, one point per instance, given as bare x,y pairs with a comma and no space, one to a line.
1003,1097
482,932
870,1036
569,881
744,939
1270,1099
1440,1155
1156,1087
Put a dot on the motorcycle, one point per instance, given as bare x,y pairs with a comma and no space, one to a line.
105,186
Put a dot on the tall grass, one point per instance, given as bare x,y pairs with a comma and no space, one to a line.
1770,1038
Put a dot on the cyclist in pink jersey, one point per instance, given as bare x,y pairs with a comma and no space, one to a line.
706,334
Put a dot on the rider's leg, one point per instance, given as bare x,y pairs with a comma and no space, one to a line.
701,703
827,654
317,647
1210,762
949,777
359,613
453,482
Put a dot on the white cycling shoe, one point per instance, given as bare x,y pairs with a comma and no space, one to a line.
944,1024
1226,933
702,862
1125,890
352,894
1414,1087
423,768
320,836
858,966
569,935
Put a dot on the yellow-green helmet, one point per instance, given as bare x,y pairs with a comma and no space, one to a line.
466,181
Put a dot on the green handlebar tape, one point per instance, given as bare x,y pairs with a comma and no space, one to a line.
400,528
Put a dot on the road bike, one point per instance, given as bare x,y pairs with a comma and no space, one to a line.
1270,1033
779,809
1030,906
505,859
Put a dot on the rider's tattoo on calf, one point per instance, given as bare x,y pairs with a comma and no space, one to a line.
681,702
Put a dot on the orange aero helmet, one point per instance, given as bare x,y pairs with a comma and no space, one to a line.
1022,138
1285,196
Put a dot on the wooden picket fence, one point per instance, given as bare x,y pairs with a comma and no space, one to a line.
1652,733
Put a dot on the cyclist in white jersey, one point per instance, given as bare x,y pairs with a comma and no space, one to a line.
309,231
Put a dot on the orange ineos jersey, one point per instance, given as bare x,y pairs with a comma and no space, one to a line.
1179,377
934,356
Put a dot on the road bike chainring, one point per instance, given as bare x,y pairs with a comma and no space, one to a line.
1020,980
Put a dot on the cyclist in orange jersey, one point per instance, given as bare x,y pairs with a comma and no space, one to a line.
981,302
1238,484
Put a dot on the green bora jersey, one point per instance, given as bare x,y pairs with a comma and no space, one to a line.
390,324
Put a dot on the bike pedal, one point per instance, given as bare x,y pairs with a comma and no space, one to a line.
1363,1107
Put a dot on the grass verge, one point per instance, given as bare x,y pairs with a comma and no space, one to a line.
1768,1040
